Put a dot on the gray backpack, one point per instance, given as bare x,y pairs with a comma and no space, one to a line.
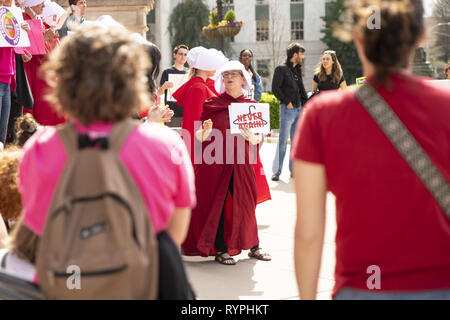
98,241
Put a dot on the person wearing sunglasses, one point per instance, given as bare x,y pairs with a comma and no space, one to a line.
180,53
228,188
191,95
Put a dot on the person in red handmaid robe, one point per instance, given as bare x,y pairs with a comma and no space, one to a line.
224,221
42,110
192,95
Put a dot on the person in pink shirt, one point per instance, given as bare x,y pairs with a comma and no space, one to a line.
108,90
7,80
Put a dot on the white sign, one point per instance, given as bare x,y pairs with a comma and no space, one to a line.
11,33
178,80
52,12
255,116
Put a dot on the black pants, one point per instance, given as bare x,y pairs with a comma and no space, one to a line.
173,281
15,113
219,243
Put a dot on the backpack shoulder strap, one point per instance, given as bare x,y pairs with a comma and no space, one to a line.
406,145
120,133
68,136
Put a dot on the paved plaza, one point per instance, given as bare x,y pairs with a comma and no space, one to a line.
274,280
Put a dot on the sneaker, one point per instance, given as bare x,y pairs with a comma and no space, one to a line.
276,177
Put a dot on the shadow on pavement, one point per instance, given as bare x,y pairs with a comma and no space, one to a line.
221,282
284,187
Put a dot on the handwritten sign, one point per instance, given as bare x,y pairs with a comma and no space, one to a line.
11,33
255,116
178,80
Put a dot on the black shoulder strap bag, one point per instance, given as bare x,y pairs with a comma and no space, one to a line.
406,145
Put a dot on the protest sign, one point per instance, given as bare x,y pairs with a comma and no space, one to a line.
12,35
255,116
52,12
178,80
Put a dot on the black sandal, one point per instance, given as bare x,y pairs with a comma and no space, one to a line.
263,256
220,259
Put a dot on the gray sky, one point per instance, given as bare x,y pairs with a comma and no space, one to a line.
428,5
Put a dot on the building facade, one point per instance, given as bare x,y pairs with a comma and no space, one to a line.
270,26
131,13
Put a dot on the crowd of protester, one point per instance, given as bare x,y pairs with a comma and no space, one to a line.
95,137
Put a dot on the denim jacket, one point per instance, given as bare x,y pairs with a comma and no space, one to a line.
258,87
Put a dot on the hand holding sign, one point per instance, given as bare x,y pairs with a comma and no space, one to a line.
250,136
25,26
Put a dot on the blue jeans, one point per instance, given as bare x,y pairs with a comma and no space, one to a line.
5,108
353,294
288,123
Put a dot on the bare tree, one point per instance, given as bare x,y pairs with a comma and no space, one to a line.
277,38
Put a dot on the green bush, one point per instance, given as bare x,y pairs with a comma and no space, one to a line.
274,109
230,16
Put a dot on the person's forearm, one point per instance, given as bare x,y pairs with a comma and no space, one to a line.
179,224
307,255
3,233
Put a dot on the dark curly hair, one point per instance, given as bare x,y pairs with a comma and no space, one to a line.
26,126
390,46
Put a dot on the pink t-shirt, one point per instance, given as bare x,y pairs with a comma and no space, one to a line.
154,155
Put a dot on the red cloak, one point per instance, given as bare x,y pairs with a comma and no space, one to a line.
212,182
42,111
211,85
191,97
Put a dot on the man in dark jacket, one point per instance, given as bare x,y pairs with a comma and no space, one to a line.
287,85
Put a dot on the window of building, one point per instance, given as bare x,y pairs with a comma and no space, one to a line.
297,30
262,30
297,19
262,21
263,67
261,2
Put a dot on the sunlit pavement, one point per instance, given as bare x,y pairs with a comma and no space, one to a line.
273,280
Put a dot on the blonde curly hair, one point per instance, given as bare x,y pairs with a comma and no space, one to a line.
98,74
10,199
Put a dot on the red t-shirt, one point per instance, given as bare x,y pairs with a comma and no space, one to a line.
385,216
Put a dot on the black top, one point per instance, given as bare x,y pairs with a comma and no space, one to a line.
327,84
165,77
287,85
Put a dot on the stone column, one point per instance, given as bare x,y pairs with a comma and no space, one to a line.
131,13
